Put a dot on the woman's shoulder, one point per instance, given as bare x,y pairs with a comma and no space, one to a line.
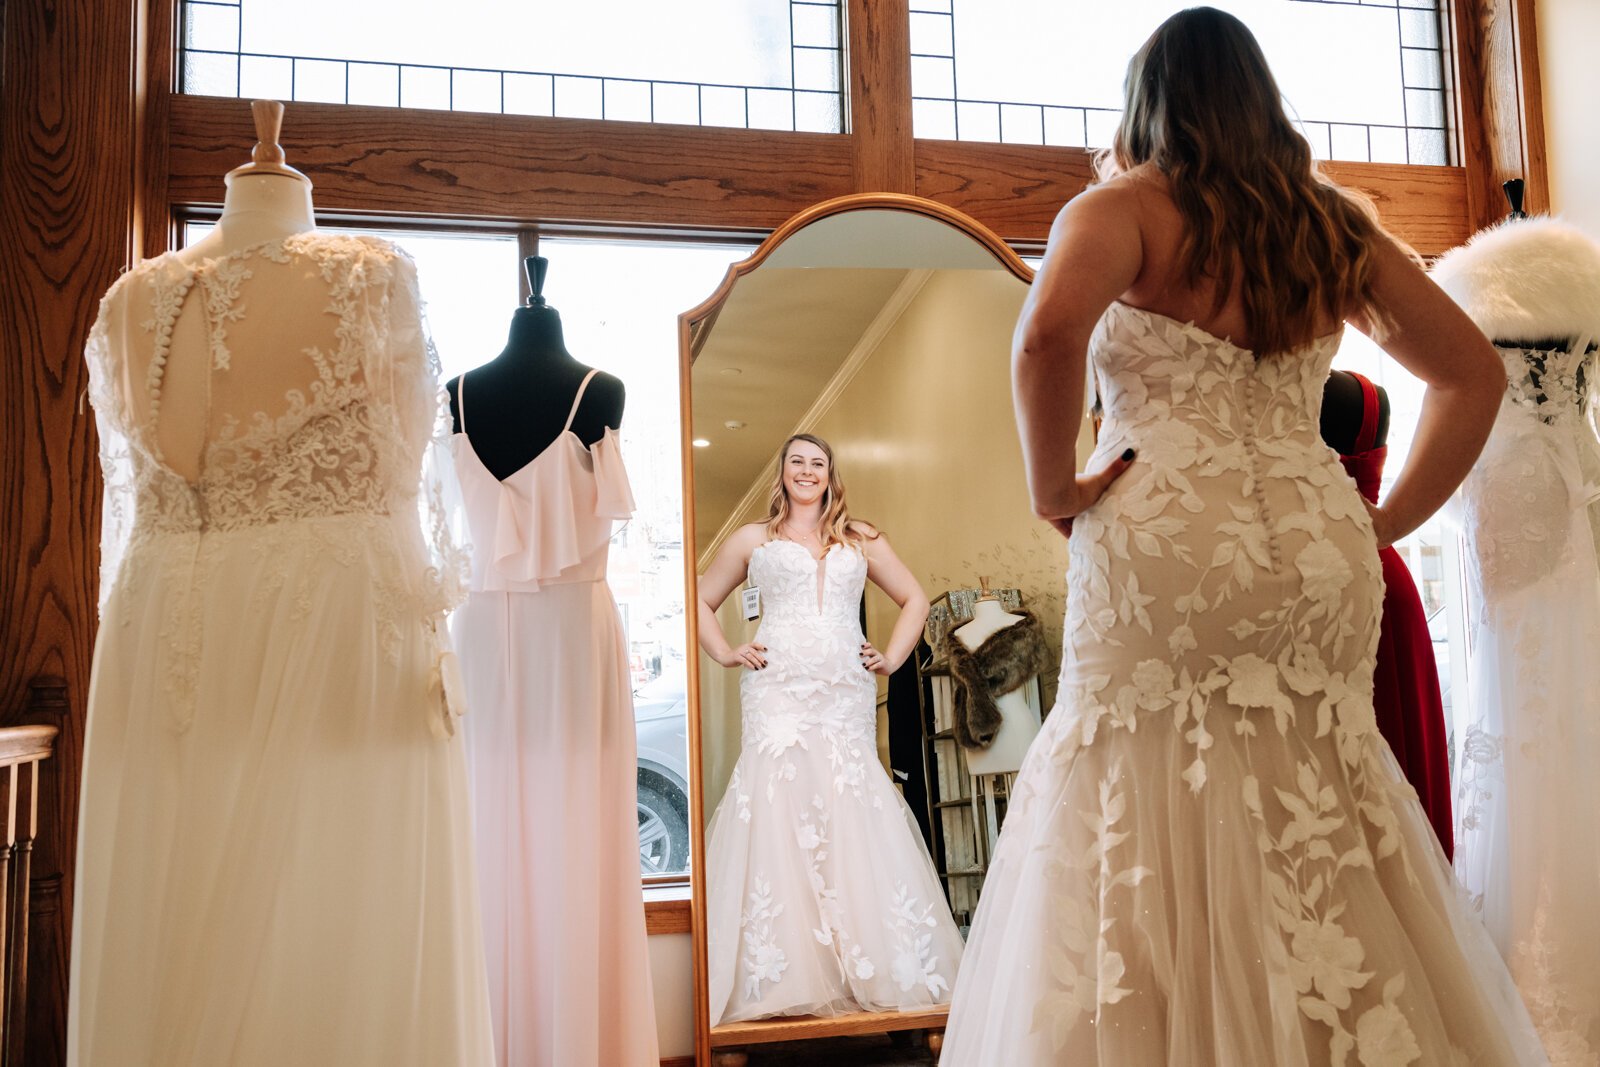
748,536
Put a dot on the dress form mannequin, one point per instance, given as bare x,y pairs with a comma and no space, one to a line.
1342,407
266,198
520,400
1019,721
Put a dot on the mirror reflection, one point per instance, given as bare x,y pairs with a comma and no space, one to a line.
865,550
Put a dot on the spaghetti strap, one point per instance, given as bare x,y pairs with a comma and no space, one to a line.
461,401
1367,439
578,400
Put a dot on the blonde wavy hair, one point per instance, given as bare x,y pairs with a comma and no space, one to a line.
1202,107
836,525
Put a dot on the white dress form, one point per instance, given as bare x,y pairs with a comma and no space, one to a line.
265,200
1019,720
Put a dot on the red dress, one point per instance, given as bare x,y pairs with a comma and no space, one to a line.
1406,680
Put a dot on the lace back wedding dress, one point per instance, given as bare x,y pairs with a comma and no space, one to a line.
1528,836
821,895
274,863
1211,856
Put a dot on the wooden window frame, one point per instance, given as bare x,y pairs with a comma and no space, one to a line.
514,170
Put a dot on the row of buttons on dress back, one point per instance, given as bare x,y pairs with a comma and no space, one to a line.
1263,512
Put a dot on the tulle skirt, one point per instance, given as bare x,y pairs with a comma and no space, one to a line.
1528,843
821,897
275,864
1127,919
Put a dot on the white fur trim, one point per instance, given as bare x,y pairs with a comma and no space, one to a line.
1527,280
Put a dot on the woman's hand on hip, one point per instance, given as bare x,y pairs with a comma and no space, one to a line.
1088,488
1382,524
750,655
874,661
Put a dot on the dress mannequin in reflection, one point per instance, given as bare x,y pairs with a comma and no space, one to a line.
1527,834
1405,692
996,654
275,858
821,897
550,737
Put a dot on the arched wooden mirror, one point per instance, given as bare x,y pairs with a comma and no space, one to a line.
882,324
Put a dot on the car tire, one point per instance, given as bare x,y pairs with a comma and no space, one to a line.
663,827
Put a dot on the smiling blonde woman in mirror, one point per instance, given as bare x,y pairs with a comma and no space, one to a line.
821,897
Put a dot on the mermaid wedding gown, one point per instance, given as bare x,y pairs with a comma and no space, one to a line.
1528,801
821,896
1211,856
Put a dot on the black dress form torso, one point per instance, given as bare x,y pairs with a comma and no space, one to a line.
521,398
1342,408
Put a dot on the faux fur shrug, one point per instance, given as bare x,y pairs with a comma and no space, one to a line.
1005,660
1527,281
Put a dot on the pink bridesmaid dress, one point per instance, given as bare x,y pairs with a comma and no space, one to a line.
551,751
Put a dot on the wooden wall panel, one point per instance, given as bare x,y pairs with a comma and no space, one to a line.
515,168
1498,105
1016,190
67,136
481,169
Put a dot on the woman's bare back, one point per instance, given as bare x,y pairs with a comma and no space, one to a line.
1159,286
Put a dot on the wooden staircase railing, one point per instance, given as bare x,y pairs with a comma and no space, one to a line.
22,749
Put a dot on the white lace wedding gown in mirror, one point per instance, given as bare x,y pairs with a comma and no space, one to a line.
274,858
821,895
1211,856
1528,796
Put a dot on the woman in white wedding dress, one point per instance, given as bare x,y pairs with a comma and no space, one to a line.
1211,856
821,896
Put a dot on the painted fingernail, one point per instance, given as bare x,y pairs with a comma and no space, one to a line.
1127,455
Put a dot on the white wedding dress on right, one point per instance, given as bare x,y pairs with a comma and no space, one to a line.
1528,796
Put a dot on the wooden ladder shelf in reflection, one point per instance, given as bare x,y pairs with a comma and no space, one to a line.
22,749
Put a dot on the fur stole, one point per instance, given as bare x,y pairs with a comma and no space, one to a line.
1005,660
1527,281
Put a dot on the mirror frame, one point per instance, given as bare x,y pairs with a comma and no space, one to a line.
693,326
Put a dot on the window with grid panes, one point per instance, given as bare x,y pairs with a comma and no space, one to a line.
1364,79
470,286
757,64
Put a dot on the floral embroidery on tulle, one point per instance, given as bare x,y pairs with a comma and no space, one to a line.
1085,971
764,961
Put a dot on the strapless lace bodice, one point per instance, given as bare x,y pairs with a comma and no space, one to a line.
1179,394
787,577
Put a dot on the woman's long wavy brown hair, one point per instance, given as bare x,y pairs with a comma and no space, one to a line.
1201,106
836,525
